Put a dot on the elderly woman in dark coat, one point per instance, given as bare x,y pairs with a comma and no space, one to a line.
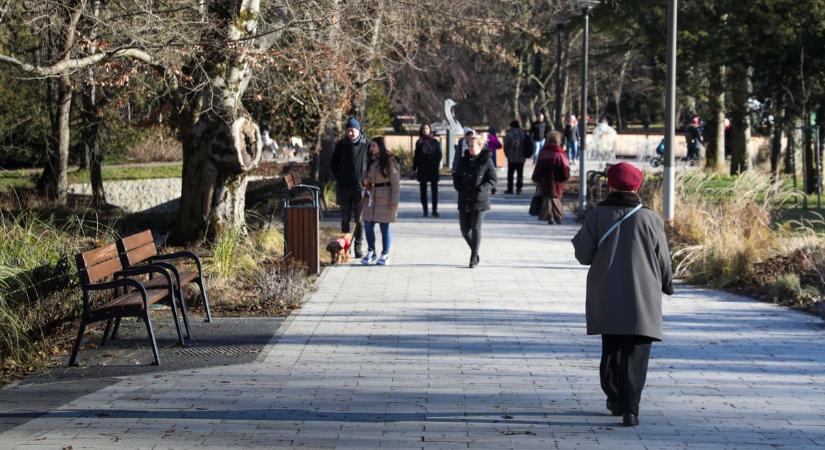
474,179
551,171
630,267
426,163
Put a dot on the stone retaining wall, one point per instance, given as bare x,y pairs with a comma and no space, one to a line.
138,195
157,194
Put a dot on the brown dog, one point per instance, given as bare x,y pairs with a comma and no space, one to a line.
339,249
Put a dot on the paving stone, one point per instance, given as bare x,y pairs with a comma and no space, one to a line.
426,353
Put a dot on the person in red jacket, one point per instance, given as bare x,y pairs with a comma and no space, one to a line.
550,173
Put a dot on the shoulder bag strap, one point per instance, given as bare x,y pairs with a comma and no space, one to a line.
616,225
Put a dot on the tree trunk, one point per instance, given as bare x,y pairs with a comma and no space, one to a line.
222,144
740,120
517,90
809,149
787,157
716,125
54,182
776,144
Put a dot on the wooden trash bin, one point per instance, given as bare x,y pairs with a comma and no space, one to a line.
301,226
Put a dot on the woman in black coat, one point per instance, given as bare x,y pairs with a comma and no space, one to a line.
474,179
426,163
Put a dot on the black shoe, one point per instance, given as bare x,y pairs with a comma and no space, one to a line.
493,191
508,192
359,255
613,408
436,215
518,192
425,214
473,261
630,420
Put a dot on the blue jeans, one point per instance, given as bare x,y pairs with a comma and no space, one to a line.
386,236
572,150
537,146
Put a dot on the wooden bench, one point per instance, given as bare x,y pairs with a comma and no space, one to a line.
299,192
139,250
100,270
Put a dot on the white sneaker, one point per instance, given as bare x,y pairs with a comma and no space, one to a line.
384,260
369,258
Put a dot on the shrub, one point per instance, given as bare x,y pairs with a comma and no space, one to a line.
283,286
785,288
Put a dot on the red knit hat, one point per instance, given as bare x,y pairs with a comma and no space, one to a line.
625,177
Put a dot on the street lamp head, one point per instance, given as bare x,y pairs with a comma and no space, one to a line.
587,4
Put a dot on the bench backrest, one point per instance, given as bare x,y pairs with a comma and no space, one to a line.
292,179
136,248
98,264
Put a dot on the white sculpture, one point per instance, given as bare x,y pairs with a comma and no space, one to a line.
603,147
450,124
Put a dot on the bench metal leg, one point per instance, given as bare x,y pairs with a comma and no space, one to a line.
105,337
185,314
201,285
177,320
76,347
151,337
115,329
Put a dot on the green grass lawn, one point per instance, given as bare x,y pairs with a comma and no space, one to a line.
18,179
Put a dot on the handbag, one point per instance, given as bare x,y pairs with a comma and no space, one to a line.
535,205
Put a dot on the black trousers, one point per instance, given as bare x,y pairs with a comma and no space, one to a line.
623,369
422,185
470,223
348,199
518,169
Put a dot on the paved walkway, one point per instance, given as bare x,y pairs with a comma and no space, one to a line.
429,354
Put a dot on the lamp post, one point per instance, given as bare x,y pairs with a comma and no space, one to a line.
586,7
560,23
669,175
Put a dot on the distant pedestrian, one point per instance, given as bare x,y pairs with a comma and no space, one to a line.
514,142
493,144
572,138
694,139
426,164
538,131
550,173
348,165
461,147
474,180
382,185
630,267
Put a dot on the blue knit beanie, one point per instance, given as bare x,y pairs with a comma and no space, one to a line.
352,122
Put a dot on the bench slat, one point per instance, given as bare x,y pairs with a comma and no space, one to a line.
104,270
140,254
138,240
99,255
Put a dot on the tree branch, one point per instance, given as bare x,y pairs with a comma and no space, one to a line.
68,65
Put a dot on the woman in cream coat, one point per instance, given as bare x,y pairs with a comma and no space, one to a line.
382,184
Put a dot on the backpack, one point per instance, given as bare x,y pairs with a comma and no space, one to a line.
527,146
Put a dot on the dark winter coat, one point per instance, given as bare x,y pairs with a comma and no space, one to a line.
537,130
348,163
552,170
474,179
628,272
571,134
514,145
427,159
